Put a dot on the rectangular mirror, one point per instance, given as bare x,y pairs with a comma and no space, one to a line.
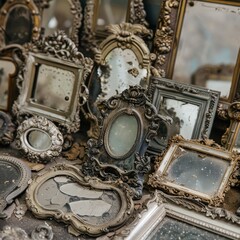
198,49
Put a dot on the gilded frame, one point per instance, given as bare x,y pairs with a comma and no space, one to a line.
56,51
157,208
18,186
76,224
204,148
43,125
167,38
35,18
135,15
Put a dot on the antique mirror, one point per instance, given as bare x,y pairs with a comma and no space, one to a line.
190,38
128,122
26,14
52,82
14,177
98,14
7,129
39,139
160,220
63,15
11,59
197,168
87,205
191,108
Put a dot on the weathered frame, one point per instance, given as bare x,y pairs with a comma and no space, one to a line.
77,225
204,148
36,18
7,129
57,51
43,125
167,37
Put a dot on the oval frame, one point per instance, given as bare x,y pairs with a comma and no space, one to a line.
36,18
44,125
107,131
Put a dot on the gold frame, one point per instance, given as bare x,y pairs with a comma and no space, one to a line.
202,147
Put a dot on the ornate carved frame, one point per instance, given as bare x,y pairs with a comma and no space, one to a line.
207,101
77,224
15,54
7,129
204,148
58,51
167,37
18,186
136,15
158,207
132,166
36,18
43,125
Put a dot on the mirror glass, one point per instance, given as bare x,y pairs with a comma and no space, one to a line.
111,12
9,177
39,140
6,69
54,87
122,69
204,42
183,114
170,228
237,142
21,32
58,16
197,171
92,206
122,135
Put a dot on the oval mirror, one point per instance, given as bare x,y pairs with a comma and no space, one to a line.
122,135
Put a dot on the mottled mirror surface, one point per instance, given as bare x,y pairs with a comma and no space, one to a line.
173,229
54,87
57,16
122,69
204,41
110,12
21,32
123,134
39,140
10,176
197,171
184,115
237,142
91,206
6,69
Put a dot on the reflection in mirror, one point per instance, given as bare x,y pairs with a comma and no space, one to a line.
202,32
121,70
7,68
54,88
123,132
39,140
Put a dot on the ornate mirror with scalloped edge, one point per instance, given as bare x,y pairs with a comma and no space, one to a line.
26,15
14,178
87,205
177,51
127,124
52,83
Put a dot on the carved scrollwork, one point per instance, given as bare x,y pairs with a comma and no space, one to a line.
39,139
7,129
234,111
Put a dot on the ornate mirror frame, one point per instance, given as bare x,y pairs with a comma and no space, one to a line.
46,127
78,225
208,153
7,129
131,165
18,185
13,54
206,101
135,15
35,18
158,207
57,53
167,38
